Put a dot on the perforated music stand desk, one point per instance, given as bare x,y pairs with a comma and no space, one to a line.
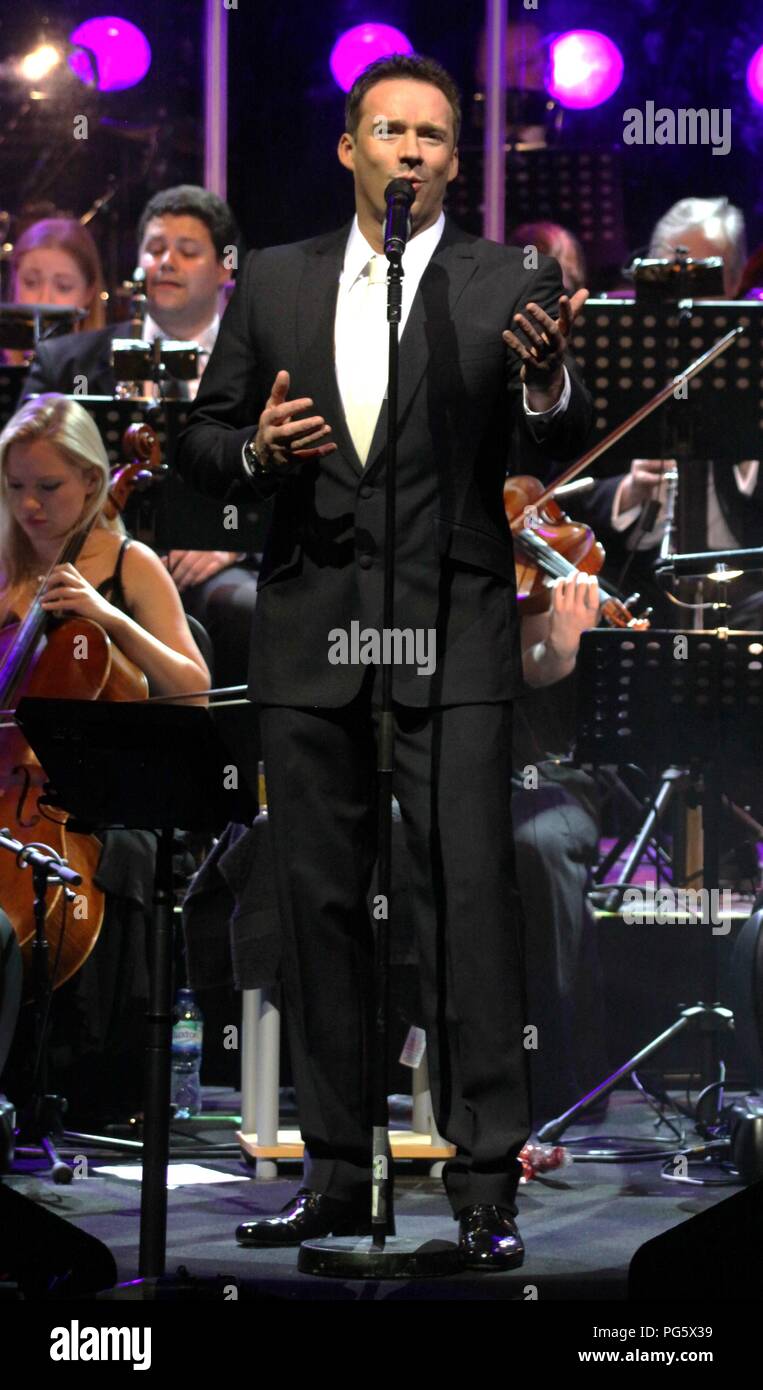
580,187
628,350
657,698
156,767
660,699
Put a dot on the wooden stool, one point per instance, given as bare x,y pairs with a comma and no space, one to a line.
259,1136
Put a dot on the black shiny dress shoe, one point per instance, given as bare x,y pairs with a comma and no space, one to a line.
488,1238
307,1216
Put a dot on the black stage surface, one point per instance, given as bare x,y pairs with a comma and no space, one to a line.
581,1223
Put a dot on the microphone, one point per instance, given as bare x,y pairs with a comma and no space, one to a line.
397,224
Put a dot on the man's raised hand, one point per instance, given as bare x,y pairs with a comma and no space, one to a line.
542,347
281,439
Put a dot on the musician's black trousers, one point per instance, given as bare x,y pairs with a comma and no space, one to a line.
453,783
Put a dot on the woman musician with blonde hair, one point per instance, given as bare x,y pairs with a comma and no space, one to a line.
54,480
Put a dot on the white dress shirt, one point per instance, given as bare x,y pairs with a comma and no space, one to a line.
353,281
418,253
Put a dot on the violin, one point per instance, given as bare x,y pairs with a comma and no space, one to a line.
69,658
548,543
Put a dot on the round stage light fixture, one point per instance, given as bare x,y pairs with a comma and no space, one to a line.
585,68
361,45
121,51
755,76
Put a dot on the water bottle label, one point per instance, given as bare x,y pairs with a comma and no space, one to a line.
186,1036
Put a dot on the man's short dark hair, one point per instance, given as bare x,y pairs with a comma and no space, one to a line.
413,66
189,200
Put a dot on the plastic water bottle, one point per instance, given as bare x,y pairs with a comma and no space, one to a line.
187,1033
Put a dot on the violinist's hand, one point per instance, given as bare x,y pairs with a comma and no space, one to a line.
189,567
68,592
574,608
542,346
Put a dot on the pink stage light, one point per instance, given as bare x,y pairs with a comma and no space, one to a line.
755,76
586,68
361,45
121,49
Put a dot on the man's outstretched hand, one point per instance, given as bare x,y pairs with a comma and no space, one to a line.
542,346
283,440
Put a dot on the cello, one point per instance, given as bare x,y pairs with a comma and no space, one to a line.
69,658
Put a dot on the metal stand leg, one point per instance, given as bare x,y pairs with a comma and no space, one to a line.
671,779
423,1114
260,1071
250,1016
267,1073
156,1108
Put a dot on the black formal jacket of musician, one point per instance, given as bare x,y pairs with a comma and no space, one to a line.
460,397
61,361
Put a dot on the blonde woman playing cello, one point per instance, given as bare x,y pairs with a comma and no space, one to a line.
54,480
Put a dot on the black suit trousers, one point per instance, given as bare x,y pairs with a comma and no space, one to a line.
453,784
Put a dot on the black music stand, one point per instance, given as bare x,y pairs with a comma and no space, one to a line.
160,767
11,385
645,700
581,188
627,350
168,514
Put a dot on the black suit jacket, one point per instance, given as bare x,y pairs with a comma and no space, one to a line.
460,396
76,359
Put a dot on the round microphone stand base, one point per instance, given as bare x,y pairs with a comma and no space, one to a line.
356,1257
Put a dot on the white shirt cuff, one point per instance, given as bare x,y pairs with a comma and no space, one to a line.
539,417
621,520
746,475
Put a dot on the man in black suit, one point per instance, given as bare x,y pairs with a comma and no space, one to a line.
305,332
185,237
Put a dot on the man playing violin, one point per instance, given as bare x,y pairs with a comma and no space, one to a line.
292,404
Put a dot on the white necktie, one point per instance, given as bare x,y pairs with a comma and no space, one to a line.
366,339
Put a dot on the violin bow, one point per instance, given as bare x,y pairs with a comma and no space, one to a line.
635,419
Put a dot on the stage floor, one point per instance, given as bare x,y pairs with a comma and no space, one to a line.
581,1224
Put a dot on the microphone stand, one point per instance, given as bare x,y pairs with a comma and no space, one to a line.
388,1256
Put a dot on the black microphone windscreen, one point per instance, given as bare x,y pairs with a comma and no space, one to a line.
400,191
